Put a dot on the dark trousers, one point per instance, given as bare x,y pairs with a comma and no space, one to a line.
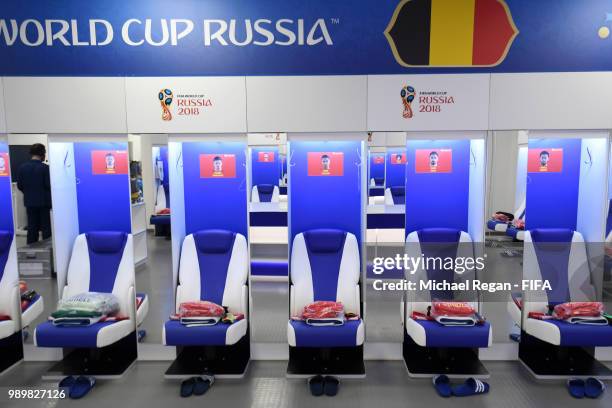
39,220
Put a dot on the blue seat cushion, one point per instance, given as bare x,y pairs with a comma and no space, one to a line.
160,219
48,335
325,336
437,335
399,195
491,224
583,335
179,335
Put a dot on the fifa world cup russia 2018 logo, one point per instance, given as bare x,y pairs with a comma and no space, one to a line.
165,97
408,93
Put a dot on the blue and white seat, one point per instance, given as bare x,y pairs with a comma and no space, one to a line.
395,195
9,286
559,256
440,242
101,261
499,226
377,182
213,267
515,233
265,193
325,266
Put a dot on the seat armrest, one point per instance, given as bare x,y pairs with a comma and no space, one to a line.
132,304
244,303
15,312
292,310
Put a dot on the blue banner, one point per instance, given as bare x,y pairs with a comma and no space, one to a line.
291,37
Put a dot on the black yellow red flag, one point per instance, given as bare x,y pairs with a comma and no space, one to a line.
451,33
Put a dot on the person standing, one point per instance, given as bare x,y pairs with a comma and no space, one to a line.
33,181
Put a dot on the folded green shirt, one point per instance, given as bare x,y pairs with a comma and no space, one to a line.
75,313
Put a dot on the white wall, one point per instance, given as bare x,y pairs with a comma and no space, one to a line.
226,113
502,171
592,197
177,202
477,199
306,104
65,105
65,207
466,107
551,101
146,148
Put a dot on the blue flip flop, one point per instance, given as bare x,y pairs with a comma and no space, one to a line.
331,386
67,382
187,387
593,388
442,385
81,387
203,384
576,388
472,386
316,385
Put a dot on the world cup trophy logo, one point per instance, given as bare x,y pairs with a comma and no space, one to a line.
165,99
408,93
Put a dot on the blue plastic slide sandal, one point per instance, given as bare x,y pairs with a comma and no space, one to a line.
187,387
331,386
576,388
442,385
203,384
593,388
472,386
81,387
316,385
67,382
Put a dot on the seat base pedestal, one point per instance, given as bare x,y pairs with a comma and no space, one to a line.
346,362
460,362
11,352
109,362
545,361
221,361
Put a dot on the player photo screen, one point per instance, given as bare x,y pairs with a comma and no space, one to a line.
545,160
109,162
325,164
217,165
434,161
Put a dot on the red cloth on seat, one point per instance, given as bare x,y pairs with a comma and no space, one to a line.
573,309
201,309
322,310
451,309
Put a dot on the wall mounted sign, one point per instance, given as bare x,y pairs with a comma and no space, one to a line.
293,37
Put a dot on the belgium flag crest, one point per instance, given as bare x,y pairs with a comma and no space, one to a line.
451,33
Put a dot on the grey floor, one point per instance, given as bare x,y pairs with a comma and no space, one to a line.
265,386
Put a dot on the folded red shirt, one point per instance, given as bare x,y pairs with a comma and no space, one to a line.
451,309
322,310
576,309
201,309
